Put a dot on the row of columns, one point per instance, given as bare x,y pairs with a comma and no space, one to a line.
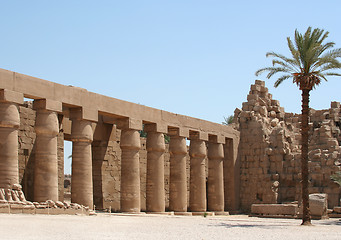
200,201
46,158
46,162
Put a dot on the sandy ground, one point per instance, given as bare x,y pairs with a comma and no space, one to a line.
105,226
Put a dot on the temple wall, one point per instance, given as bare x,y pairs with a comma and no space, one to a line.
270,151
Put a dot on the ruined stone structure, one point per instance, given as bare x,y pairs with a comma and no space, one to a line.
270,152
225,168
110,166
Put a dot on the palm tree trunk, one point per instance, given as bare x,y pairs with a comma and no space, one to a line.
306,219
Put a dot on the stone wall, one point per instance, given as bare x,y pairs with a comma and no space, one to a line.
270,150
26,155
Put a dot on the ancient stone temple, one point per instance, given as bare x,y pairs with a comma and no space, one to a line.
112,166
202,167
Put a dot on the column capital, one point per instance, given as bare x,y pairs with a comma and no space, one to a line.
155,142
11,96
48,104
9,115
197,148
177,145
215,151
47,123
81,131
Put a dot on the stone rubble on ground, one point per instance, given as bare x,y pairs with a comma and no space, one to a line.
14,201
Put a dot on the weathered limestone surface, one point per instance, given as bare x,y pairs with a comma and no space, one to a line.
27,146
130,171
9,124
81,184
178,189
270,152
318,204
155,190
198,153
215,182
46,162
288,210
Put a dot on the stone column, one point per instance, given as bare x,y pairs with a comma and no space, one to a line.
9,124
231,175
215,177
155,189
130,170
46,160
197,199
81,183
178,176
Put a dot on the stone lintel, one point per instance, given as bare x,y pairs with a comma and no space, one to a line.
198,135
178,131
155,127
47,104
10,96
129,123
216,138
108,119
84,113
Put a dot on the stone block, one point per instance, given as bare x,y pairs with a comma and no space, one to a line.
16,208
275,209
335,104
318,204
337,209
4,208
29,210
42,211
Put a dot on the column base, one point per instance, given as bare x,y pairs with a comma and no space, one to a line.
133,213
161,213
183,213
222,213
211,214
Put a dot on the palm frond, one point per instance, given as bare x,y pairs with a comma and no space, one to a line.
281,79
332,74
311,59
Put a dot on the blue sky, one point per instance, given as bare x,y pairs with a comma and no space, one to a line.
195,58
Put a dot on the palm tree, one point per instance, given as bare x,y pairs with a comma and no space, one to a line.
311,61
228,120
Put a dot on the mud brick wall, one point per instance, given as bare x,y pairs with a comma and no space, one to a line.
270,150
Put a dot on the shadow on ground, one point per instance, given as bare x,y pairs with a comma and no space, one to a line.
273,225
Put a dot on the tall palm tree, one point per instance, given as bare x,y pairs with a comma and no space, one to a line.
311,61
